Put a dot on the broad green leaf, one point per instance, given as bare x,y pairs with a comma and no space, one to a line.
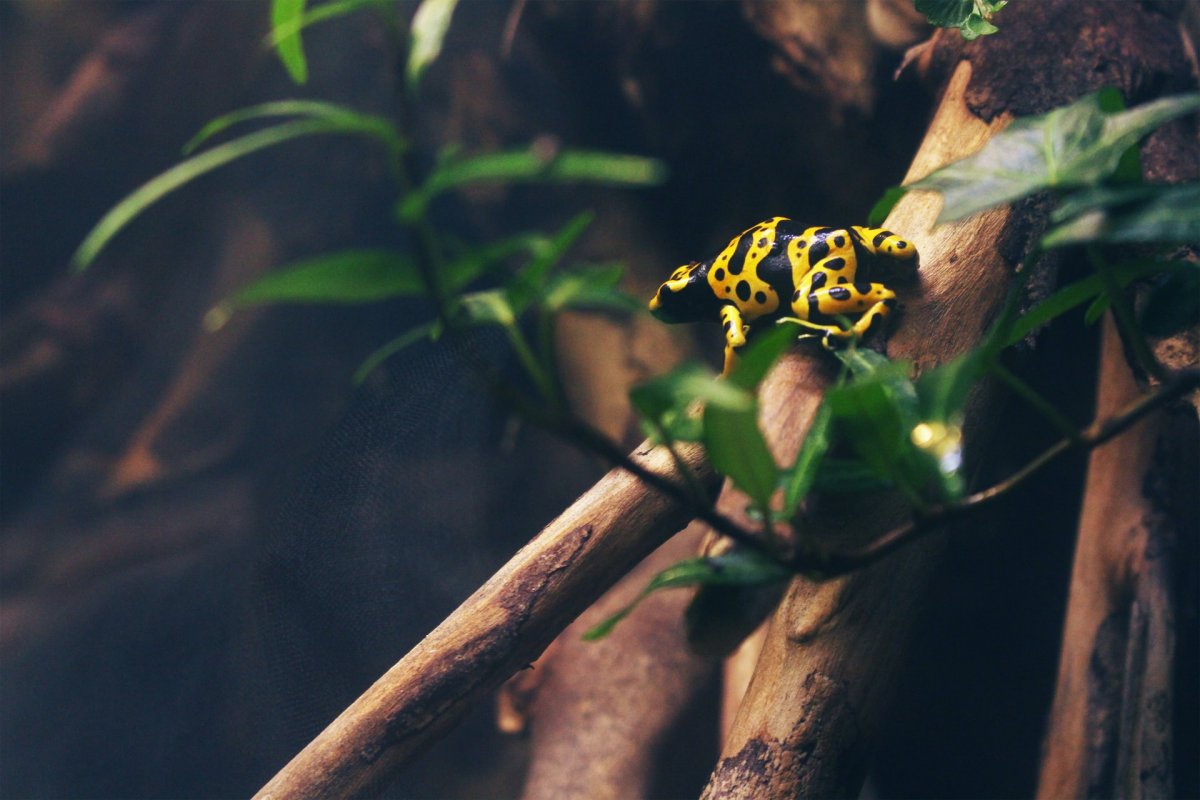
1075,145
736,448
190,169
761,353
533,165
885,204
390,349
800,479
325,11
429,26
1168,214
742,567
349,276
1174,304
339,116
289,47
971,17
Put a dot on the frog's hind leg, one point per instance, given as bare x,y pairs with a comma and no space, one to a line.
870,302
735,328
882,242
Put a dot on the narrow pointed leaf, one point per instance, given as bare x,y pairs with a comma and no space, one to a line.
289,47
429,26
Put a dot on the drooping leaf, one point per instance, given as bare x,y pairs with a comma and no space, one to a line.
1174,304
885,204
186,171
741,567
289,47
533,165
736,448
1075,145
346,119
390,349
802,476
1148,213
429,26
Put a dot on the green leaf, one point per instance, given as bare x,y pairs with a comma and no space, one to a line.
800,479
1079,292
1149,213
349,276
592,288
530,282
473,262
736,448
885,204
340,117
326,11
429,26
1096,309
533,165
1174,304
289,47
390,349
757,357
861,362
187,171
972,17
943,391
666,401
490,307
737,568
1075,145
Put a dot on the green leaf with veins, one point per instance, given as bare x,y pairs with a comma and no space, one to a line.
1146,213
1075,145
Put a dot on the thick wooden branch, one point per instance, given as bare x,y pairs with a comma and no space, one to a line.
816,699
1109,730
501,628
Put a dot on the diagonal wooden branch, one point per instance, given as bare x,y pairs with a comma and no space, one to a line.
502,627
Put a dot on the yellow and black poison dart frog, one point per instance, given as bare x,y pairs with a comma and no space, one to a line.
778,269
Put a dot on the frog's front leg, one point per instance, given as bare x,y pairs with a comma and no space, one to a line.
735,328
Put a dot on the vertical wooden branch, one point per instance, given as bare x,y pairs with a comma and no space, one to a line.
1109,730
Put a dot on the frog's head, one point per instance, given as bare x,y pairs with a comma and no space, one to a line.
685,296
